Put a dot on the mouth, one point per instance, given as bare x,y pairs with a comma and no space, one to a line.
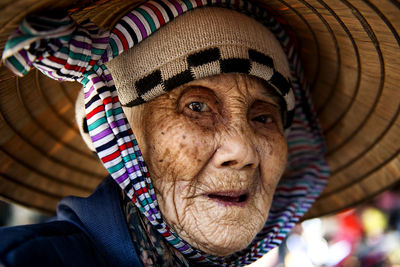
233,198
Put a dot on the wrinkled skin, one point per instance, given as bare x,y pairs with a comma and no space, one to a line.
216,150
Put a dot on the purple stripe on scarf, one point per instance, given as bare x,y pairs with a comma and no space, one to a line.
101,134
104,57
24,54
139,24
107,77
103,40
130,170
137,168
58,42
184,247
97,79
150,218
88,93
117,123
177,6
80,44
151,210
122,178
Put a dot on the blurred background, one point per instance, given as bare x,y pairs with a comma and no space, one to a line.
367,236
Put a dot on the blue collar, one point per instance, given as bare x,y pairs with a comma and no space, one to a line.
101,217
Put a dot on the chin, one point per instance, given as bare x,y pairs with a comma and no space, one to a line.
231,238
222,227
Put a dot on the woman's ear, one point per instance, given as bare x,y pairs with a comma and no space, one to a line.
80,118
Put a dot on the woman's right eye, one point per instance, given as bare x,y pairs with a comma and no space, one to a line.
198,107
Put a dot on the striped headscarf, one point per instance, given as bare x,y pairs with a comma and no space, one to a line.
66,51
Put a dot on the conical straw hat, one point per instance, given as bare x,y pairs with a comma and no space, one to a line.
351,55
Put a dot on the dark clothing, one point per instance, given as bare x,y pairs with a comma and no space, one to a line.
86,232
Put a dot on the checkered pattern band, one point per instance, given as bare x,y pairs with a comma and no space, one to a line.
64,50
207,63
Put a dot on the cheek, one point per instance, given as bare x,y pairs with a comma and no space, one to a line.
177,149
273,162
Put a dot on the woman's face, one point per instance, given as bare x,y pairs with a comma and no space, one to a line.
215,149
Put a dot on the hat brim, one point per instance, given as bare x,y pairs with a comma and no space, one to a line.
348,50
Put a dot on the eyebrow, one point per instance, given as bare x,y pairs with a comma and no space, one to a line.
194,86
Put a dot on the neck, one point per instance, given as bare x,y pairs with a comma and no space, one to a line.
151,247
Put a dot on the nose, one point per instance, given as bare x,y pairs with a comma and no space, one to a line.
237,152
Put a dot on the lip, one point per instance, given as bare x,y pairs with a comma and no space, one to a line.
229,198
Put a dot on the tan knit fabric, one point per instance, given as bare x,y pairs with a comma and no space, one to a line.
167,49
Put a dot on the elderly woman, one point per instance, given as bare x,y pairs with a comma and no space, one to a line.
214,96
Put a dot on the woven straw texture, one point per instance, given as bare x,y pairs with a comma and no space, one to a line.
351,55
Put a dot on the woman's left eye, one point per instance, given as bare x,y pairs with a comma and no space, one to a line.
263,119
198,107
